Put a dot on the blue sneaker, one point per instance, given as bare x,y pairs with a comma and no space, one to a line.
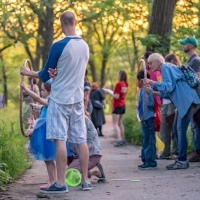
55,189
86,186
139,166
146,166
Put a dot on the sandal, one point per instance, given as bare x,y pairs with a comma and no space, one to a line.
102,179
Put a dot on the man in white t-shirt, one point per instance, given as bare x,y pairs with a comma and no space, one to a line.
65,116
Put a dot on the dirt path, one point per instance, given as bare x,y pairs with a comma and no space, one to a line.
119,163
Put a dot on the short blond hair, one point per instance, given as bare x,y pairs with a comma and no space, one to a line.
156,57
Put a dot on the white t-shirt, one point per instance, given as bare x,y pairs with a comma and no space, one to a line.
70,57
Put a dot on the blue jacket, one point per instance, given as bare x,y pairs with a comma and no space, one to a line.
146,110
175,87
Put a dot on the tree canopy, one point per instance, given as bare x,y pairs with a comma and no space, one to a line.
117,31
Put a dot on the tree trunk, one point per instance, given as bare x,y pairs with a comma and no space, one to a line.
48,32
161,24
4,76
103,69
93,70
135,50
45,31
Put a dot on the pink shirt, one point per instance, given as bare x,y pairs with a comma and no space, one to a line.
155,76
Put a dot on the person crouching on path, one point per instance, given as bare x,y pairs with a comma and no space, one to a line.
95,153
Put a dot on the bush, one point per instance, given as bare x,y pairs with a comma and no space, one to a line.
132,126
13,156
4,176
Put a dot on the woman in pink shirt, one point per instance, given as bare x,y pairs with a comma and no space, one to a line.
154,75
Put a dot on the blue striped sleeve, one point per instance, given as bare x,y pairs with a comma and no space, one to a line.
54,55
51,62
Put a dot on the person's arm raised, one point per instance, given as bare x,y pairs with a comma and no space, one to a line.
34,95
27,72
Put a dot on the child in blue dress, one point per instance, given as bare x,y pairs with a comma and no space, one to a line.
146,115
40,147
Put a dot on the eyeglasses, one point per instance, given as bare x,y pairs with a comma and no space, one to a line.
149,63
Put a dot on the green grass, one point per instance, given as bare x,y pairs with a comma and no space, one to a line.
13,154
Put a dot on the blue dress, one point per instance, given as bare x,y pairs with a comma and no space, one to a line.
40,147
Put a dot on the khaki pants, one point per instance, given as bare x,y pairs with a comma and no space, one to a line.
166,132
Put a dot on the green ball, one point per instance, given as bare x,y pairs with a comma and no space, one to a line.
73,177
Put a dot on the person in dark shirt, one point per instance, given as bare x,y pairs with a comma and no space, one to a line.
189,47
98,103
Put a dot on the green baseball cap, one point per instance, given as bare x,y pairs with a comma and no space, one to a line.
190,40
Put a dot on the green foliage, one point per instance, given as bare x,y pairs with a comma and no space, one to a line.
13,155
132,126
150,40
4,176
156,43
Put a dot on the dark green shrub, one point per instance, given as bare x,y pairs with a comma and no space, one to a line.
13,154
4,176
132,126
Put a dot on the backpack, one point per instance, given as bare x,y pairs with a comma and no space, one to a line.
190,76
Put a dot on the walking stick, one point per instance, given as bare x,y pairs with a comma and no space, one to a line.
27,63
142,62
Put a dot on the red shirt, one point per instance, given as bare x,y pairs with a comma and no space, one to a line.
121,89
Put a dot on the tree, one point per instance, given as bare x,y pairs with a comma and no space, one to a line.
26,20
108,32
101,34
186,22
161,25
5,44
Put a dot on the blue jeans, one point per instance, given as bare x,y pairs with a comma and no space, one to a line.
196,133
148,143
180,130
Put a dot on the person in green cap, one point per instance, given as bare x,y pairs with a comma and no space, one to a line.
189,47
